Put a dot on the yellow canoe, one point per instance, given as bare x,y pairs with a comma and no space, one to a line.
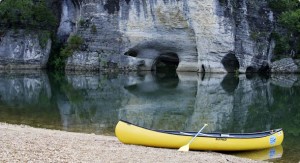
131,134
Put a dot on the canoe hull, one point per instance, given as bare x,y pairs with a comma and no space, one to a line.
131,134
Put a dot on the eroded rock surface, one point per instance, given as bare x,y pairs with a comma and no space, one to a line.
23,50
194,35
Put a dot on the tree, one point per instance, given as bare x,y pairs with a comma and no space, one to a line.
288,14
280,6
291,20
26,14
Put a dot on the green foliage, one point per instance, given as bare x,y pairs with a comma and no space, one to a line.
60,54
288,14
73,95
13,12
291,20
254,35
282,45
44,36
43,17
27,14
93,29
280,6
58,63
81,22
236,73
55,61
75,42
31,15
287,118
66,52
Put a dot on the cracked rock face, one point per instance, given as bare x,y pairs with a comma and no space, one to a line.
193,35
23,50
285,65
202,35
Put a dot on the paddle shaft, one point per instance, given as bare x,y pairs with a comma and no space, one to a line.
197,134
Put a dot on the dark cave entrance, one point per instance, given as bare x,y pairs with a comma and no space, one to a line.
132,53
230,63
250,70
264,68
166,62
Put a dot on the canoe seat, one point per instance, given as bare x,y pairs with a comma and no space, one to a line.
225,135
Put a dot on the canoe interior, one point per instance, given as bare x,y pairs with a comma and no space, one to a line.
216,135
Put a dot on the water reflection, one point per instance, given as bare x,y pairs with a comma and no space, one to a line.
159,101
93,102
90,102
271,154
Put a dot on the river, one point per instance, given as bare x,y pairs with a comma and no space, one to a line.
94,102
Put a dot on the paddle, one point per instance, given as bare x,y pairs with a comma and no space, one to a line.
186,147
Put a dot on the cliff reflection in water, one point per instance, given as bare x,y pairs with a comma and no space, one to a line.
184,102
94,103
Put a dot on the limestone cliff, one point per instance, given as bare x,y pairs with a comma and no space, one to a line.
190,35
197,35
20,49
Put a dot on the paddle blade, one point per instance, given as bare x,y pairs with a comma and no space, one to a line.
184,148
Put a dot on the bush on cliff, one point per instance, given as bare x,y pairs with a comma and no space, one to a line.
26,14
57,61
280,6
32,15
288,15
291,20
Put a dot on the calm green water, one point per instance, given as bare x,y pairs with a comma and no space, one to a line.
93,103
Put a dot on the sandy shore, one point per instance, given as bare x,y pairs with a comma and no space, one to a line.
20,143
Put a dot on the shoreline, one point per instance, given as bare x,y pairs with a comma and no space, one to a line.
21,143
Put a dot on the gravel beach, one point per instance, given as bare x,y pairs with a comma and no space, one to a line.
19,143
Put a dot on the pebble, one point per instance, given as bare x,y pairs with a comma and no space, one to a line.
26,144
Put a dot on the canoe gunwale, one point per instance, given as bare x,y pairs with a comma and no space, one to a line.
215,135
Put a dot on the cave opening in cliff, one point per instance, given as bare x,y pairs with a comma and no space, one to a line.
131,52
166,62
230,62
264,68
250,70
